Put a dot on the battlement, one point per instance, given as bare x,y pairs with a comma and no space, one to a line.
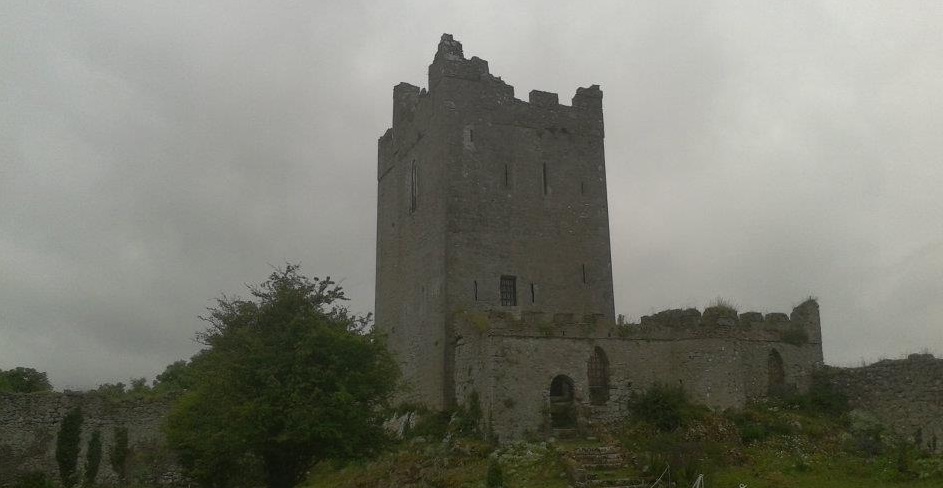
477,86
798,328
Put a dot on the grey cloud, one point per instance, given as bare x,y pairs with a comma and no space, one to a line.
153,157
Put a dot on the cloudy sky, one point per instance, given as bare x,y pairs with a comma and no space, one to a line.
154,155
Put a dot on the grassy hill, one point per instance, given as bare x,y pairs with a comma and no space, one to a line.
804,441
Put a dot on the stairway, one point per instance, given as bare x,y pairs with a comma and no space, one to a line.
599,466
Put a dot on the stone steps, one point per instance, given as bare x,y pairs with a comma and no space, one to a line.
596,466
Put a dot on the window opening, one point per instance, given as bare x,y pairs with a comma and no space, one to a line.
584,273
533,293
476,290
413,187
507,176
509,291
545,180
582,188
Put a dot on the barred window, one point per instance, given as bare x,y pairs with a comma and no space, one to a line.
509,291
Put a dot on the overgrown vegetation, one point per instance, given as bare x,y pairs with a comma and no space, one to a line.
665,407
119,452
93,458
67,447
23,380
289,378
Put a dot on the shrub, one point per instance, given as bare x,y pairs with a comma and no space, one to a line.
118,454
67,446
822,398
93,457
723,305
667,408
35,479
431,425
467,417
495,474
756,424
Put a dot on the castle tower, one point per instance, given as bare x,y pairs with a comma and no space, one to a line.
486,203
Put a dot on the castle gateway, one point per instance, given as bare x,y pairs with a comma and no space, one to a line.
494,272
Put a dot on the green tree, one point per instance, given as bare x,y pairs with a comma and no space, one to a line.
290,377
118,454
67,446
93,457
177,377
23,380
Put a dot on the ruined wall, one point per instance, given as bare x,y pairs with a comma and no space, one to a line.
511,364
904,394
29,424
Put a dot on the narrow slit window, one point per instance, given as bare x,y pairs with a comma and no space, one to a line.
413,187
582,188
476,290
546,182
584,273
507,176
509,291
533,293
471,135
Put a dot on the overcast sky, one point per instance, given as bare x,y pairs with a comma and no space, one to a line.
154,155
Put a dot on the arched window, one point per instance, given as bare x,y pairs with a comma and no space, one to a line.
777,374
598,370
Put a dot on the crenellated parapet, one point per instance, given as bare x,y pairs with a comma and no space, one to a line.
798,328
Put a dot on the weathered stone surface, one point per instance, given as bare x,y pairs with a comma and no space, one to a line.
474,184
29,424
748,318
776,318
905,394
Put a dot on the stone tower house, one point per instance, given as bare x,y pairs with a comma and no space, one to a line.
494,275
486,202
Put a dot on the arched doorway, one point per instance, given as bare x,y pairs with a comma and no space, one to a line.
562,408
777,373
598,371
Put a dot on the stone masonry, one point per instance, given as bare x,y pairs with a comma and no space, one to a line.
494,275
29,424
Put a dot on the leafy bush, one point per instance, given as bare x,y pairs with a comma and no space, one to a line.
118,454
822,398
431,425
759,423
665,407
495,477
290,377
67,446
35,479
93,457
23,380
866,437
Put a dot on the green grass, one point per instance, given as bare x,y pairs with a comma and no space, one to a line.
806,441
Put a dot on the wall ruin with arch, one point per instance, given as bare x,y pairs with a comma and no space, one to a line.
512,363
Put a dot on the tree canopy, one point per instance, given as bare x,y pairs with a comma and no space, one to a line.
289,377
23,380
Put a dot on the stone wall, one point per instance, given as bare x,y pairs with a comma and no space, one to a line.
904,394
29,424
474,185
511,362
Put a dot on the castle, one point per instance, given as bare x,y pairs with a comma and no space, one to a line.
494,274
